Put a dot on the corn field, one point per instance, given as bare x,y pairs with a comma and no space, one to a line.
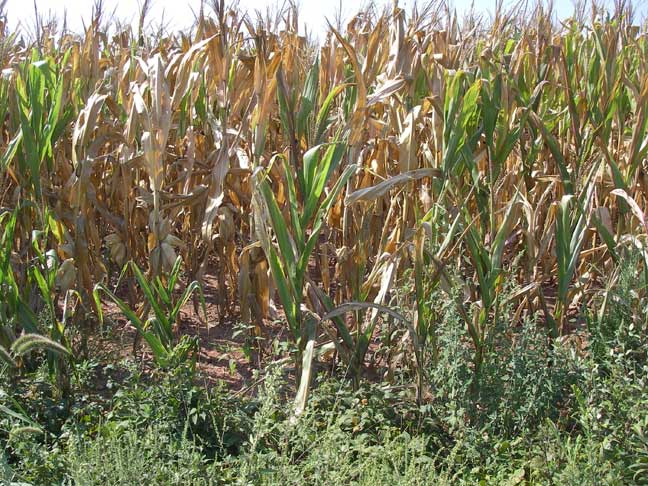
495,163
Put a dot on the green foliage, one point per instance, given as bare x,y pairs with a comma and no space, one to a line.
136,456
158,329
167,430
297,236
41,117
14,308
525,378
173,404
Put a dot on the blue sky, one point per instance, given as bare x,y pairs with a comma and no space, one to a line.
178,12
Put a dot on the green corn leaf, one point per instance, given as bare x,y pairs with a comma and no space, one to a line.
150,297
173,276
290,304
323,210
294,208
322,115
161,292
554,148
311,161
184,298
308,100
18,416
11,150
329,162
31,150
159,351
279,227
44,288
123,307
